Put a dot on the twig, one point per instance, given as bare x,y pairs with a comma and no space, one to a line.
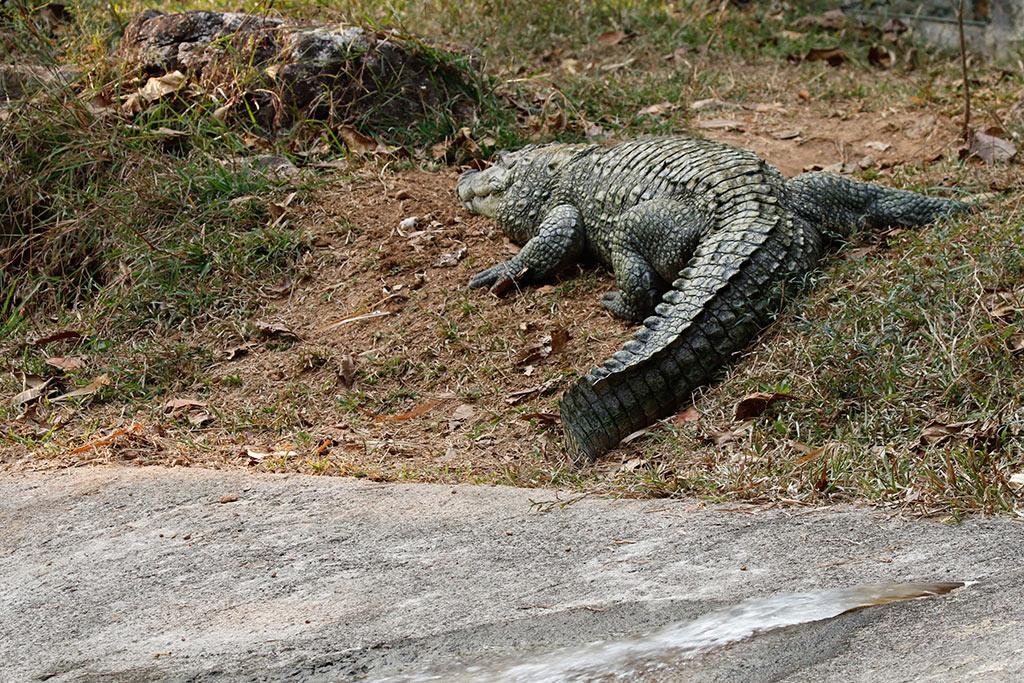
963,65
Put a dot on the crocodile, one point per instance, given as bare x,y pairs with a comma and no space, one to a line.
706,241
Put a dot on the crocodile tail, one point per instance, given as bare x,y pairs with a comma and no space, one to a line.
721,300
838,204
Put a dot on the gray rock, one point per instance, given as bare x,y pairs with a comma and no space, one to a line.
182,574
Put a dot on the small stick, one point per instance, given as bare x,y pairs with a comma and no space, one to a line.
963,66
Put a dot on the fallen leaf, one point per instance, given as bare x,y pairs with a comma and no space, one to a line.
545,419
753,405
278,209
833,18
860,252
610,38
200,419
656,109
882,57
91,388
237,351
721,124
1017,480
347,371
786,134
834,56
356,142
159,86
177,406
269,329
688,415
990,148
520,396
451,258
462,413
31,394
66,363
57,336
553,342
877,145
416,411
108,439
632,464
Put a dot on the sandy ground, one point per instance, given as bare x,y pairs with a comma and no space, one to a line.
186,574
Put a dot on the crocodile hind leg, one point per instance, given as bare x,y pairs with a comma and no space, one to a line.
651,243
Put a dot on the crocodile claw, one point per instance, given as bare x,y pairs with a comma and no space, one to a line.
491,276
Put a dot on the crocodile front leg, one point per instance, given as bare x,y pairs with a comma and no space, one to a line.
559,242
651,243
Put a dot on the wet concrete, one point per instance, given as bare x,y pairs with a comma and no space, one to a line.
144,574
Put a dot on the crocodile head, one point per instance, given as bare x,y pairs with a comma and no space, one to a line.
516,189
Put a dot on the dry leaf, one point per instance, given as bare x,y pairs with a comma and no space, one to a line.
275,330
882,57
356,142
462,413
656,109
417,411
347,371
108,439
520,396
833,18
554,342
57,336
721,124
834,56
66,363
451,258
177,406
545,419
278,209
786,134
753,405
160,86
31,394
877,145
990,148
688,415
610,38
89,389
1017,480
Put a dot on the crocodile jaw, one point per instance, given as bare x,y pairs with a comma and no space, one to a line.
481,191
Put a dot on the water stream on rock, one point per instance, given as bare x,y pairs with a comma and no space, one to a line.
645,655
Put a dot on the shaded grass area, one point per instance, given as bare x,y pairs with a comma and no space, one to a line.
136,233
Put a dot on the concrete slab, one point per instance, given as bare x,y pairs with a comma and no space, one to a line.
181,574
